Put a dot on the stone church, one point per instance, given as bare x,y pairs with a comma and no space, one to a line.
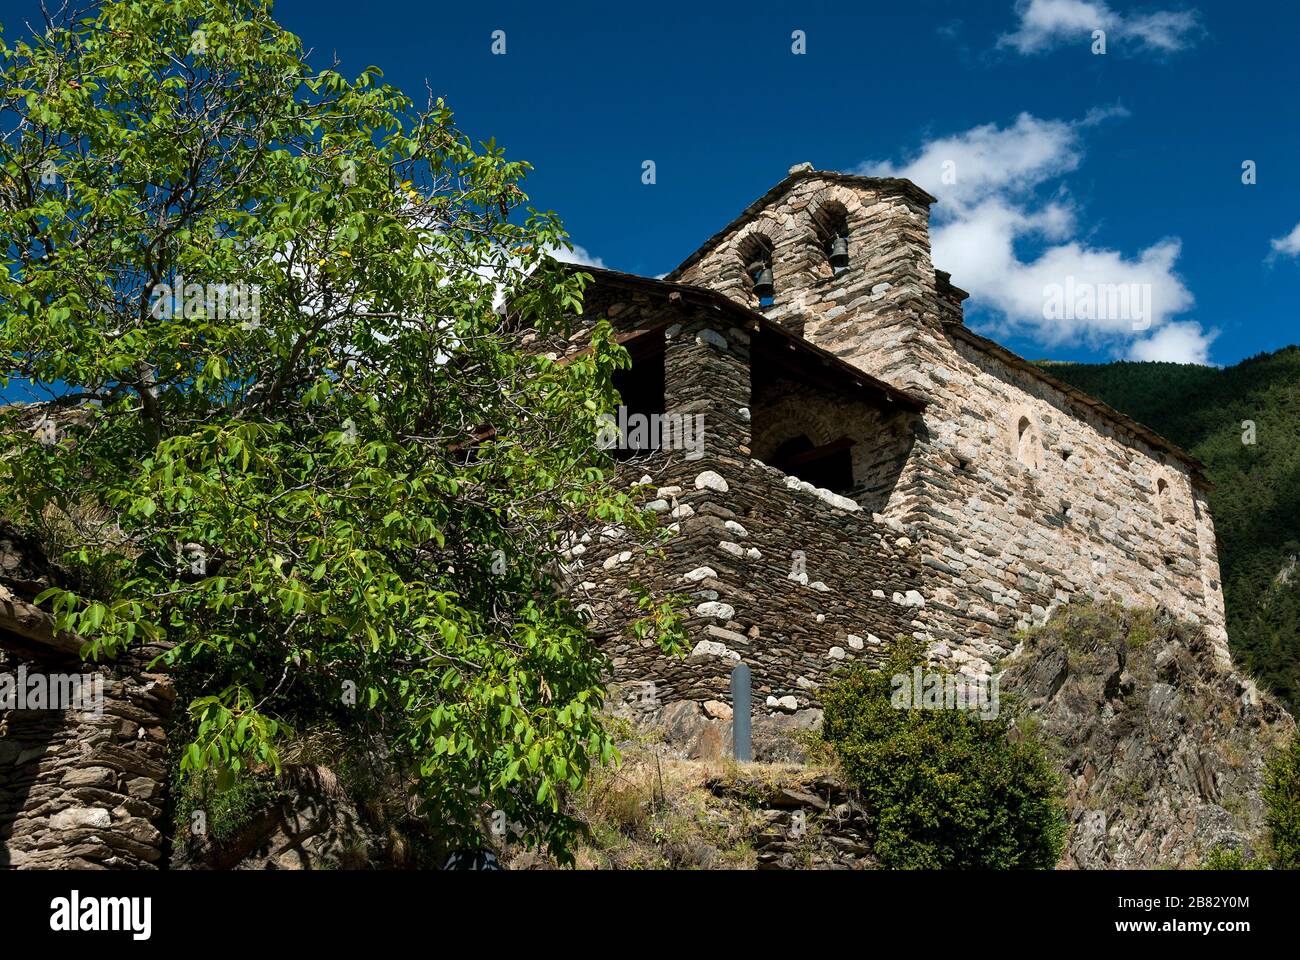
859,466
869,466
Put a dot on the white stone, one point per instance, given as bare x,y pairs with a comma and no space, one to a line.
657,506
753,554
819,587
735,549
682,511
81,817
739,532
708,480
835,500
743,413
699,573
855,642
836,653
719,611
712,648
668,492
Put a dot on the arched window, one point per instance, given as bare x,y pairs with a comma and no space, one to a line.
756,256
1028,447
830,223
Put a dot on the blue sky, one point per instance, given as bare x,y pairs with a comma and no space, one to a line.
1122,167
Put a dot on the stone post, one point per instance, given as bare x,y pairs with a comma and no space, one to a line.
742,742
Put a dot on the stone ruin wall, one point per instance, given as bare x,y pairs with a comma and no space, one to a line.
1002,543
81,789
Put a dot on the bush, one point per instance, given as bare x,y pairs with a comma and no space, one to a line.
944,788
1228,858
1282,798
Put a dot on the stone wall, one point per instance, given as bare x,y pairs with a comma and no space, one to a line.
83,788
1007,528
1019,531
796,581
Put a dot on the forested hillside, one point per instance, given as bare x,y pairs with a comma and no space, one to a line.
1256,495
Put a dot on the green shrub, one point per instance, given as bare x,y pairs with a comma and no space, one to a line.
1282,798
225,812
944,788
1230,858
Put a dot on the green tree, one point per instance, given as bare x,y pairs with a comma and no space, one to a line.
296,437
1282,801
944,788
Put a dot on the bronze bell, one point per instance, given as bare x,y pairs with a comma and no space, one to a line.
763,285
840,253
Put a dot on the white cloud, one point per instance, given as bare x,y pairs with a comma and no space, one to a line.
1176,343
999,194
579,255
1045,24
1288,246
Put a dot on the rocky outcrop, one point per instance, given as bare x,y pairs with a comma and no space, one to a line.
312,824
1161,747
814,823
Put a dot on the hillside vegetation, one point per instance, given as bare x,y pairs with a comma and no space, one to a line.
1256,495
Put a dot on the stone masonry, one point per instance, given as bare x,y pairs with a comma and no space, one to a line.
1024,491
978,493
82,787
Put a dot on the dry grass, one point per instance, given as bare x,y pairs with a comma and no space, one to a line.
659,813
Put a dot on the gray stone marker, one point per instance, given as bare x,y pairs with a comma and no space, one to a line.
742,742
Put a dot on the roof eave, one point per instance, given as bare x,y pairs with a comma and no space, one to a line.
754,320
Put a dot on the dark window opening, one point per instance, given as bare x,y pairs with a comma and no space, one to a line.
639,418
829,466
